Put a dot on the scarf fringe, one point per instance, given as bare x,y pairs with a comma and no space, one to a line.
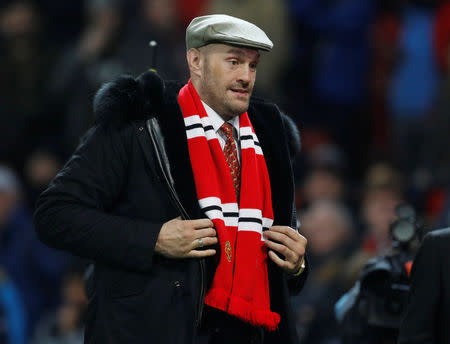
242,309
218,298
246,311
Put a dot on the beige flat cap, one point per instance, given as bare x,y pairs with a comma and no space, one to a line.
221,28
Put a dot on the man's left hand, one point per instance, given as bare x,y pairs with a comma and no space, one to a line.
288,242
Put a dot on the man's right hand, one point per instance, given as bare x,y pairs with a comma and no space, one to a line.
180,238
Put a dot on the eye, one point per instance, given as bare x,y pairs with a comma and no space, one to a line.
253,66
233,62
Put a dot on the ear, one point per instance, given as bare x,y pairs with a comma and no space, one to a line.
195,61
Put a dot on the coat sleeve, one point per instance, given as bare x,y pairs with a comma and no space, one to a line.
295,283
419,321
74,213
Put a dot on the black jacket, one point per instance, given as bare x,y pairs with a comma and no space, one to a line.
428,314
110,200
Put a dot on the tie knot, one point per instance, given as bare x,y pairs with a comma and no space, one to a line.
227,129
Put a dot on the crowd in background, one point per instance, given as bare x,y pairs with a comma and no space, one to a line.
366,81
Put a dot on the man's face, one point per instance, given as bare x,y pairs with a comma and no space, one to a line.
227,78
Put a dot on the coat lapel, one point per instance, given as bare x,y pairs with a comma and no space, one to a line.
171,121
270,132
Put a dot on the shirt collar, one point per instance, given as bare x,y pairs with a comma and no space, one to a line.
217,121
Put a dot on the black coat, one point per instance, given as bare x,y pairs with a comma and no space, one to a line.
110,200
427,320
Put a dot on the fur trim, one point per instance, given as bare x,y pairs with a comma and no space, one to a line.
290,128
127,98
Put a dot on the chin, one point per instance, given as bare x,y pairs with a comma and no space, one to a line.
240,108
235,107
239,111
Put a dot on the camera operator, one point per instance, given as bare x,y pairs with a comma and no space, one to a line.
428,312
371,312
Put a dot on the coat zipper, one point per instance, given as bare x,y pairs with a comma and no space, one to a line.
176,200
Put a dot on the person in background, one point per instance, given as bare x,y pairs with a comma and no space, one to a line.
40,168
65,325
428,310
25,64
82,67
35,269
13,314
382,193
322,175
329,228
322,183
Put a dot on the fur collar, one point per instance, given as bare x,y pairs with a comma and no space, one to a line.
126,99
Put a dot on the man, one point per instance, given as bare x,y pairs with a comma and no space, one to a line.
171,202
428,312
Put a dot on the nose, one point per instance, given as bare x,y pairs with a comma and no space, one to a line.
247,74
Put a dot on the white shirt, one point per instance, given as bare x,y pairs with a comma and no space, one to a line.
217,121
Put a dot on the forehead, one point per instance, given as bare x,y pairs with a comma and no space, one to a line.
249,53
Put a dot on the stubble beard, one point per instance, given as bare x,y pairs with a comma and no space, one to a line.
232,109
221,102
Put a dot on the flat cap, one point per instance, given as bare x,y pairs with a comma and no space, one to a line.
221,28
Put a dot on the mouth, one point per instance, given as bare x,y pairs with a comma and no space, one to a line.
240,91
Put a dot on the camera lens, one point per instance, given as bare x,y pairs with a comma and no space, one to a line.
403,231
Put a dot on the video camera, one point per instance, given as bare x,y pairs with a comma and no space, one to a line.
372,310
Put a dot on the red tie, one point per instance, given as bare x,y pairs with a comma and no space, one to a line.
231,156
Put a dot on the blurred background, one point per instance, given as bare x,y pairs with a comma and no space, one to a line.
366,81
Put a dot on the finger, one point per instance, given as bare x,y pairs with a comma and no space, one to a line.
290,232
200,223
281,238
297,248
201,253
207,241
204,232
280,248
277,260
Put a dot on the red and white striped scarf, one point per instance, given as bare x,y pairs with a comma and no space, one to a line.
240,286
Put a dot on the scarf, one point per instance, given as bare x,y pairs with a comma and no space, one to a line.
240,285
